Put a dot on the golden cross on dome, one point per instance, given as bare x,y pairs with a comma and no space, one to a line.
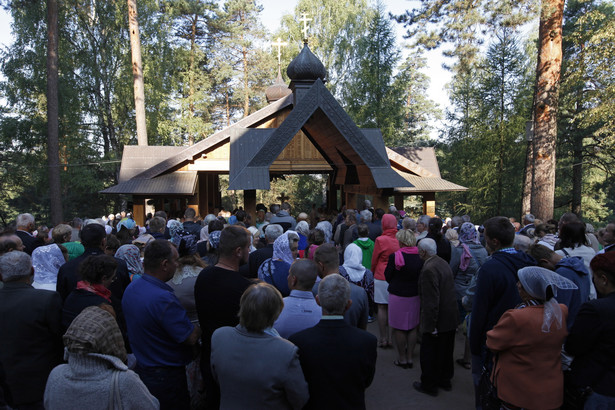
305,19
279,44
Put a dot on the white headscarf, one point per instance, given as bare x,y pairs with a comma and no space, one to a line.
353,262
47,261
281,247
535,280
327,229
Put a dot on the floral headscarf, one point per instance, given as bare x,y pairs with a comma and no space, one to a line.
281,247
467,233
46,261
214,239
132,256
175,227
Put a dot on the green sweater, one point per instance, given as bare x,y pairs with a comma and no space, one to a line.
367,246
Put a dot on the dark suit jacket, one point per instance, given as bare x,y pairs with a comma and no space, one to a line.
29,242
338,362
30,339
257,257
438,298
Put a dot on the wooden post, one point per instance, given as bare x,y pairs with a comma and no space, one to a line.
399,201
203,194
249,202
137,72
331,193
138,210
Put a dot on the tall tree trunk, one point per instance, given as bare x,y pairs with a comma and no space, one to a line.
545,107
137,72
526,200
53,145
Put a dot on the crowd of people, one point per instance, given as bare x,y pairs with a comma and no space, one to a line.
271,312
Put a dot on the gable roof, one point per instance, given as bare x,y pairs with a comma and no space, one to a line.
355,158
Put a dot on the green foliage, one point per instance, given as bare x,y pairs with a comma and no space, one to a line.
586,137
485,145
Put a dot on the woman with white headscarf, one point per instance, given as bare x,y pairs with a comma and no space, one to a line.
528,342
354,271
275,269
46,261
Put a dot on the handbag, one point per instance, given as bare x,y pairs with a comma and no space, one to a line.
487,390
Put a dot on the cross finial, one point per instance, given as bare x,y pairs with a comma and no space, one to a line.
283,198
279,44
305,19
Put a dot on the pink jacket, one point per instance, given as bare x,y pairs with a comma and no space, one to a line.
385,245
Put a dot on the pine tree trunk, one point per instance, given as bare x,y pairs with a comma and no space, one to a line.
545,107
526,200
53,145
137,72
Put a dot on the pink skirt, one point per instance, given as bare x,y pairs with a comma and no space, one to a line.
404,312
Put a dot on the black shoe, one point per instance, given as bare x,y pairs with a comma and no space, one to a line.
419,387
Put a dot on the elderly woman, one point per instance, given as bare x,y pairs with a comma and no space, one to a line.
528,343
188,269
275,269
253,366
132,256
96,376
46,261
303,230
384,246
402,274
315,239
592,338
466,259
354,272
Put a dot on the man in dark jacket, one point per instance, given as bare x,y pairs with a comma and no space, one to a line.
338,360
30,332
496,286
438,322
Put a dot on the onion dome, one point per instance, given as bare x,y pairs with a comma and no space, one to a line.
306,67
278,90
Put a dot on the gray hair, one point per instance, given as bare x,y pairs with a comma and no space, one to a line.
423,219
529,218
209,218
333,294
408,223
24,220
456,221
366,215
273,231
522,243
429,246
466,218
15,265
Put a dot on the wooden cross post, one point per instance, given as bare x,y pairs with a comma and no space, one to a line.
305,19
283,198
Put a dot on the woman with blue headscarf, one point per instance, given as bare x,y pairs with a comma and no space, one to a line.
275,269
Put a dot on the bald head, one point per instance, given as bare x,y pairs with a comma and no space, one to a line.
302,274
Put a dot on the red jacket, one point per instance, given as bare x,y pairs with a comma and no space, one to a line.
385,245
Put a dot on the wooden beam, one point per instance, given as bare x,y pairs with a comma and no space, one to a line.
399,201
249,202
138,210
